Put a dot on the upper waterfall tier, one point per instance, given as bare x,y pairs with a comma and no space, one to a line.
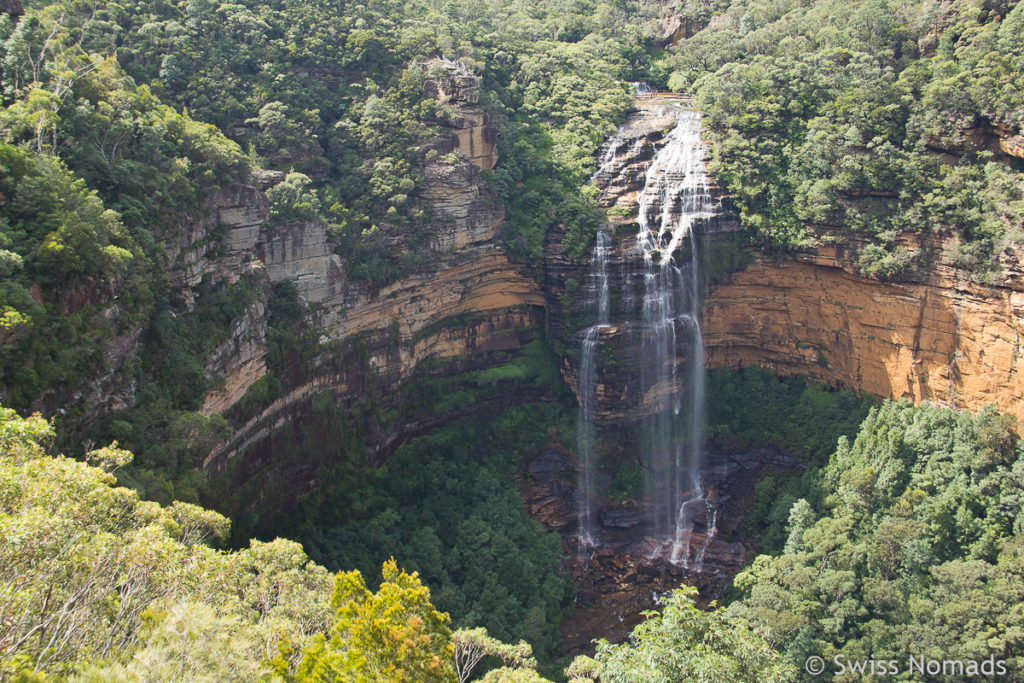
676,192
653,179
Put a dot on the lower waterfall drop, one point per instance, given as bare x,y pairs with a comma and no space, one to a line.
597,293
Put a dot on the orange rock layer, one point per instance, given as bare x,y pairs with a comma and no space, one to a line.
943,339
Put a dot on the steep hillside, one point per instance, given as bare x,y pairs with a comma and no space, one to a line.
310,261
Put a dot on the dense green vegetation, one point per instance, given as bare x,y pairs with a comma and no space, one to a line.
447,506
98,179
685,643
102,586
828,118
93,573
80,230
900,535
753,408
914,547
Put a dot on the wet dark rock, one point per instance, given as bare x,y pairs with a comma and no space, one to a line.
12,7
624,515
551,460
625,572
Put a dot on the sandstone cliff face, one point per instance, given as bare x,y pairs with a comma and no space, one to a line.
677,22
943,338
465,308
240,360
473,135
467,303
300,253
1014,146
216,241
219,240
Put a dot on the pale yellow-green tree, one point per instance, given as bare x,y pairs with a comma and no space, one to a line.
189,641
91,573
393,635
473,644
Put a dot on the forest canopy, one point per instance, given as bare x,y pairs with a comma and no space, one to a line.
875,125
100,585
871,122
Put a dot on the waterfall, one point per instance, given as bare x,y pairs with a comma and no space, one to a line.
643,90
597,295
675,199
613,149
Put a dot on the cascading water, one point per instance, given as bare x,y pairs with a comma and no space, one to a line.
612,150
675,199
596,290
642,90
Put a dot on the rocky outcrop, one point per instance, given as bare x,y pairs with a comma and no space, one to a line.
299,253
487,282
217,240
677,22
467,310
1011,142
941,337
472,135
214,241
234,240
617,580
674,28
1002,138
466,303
462,210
